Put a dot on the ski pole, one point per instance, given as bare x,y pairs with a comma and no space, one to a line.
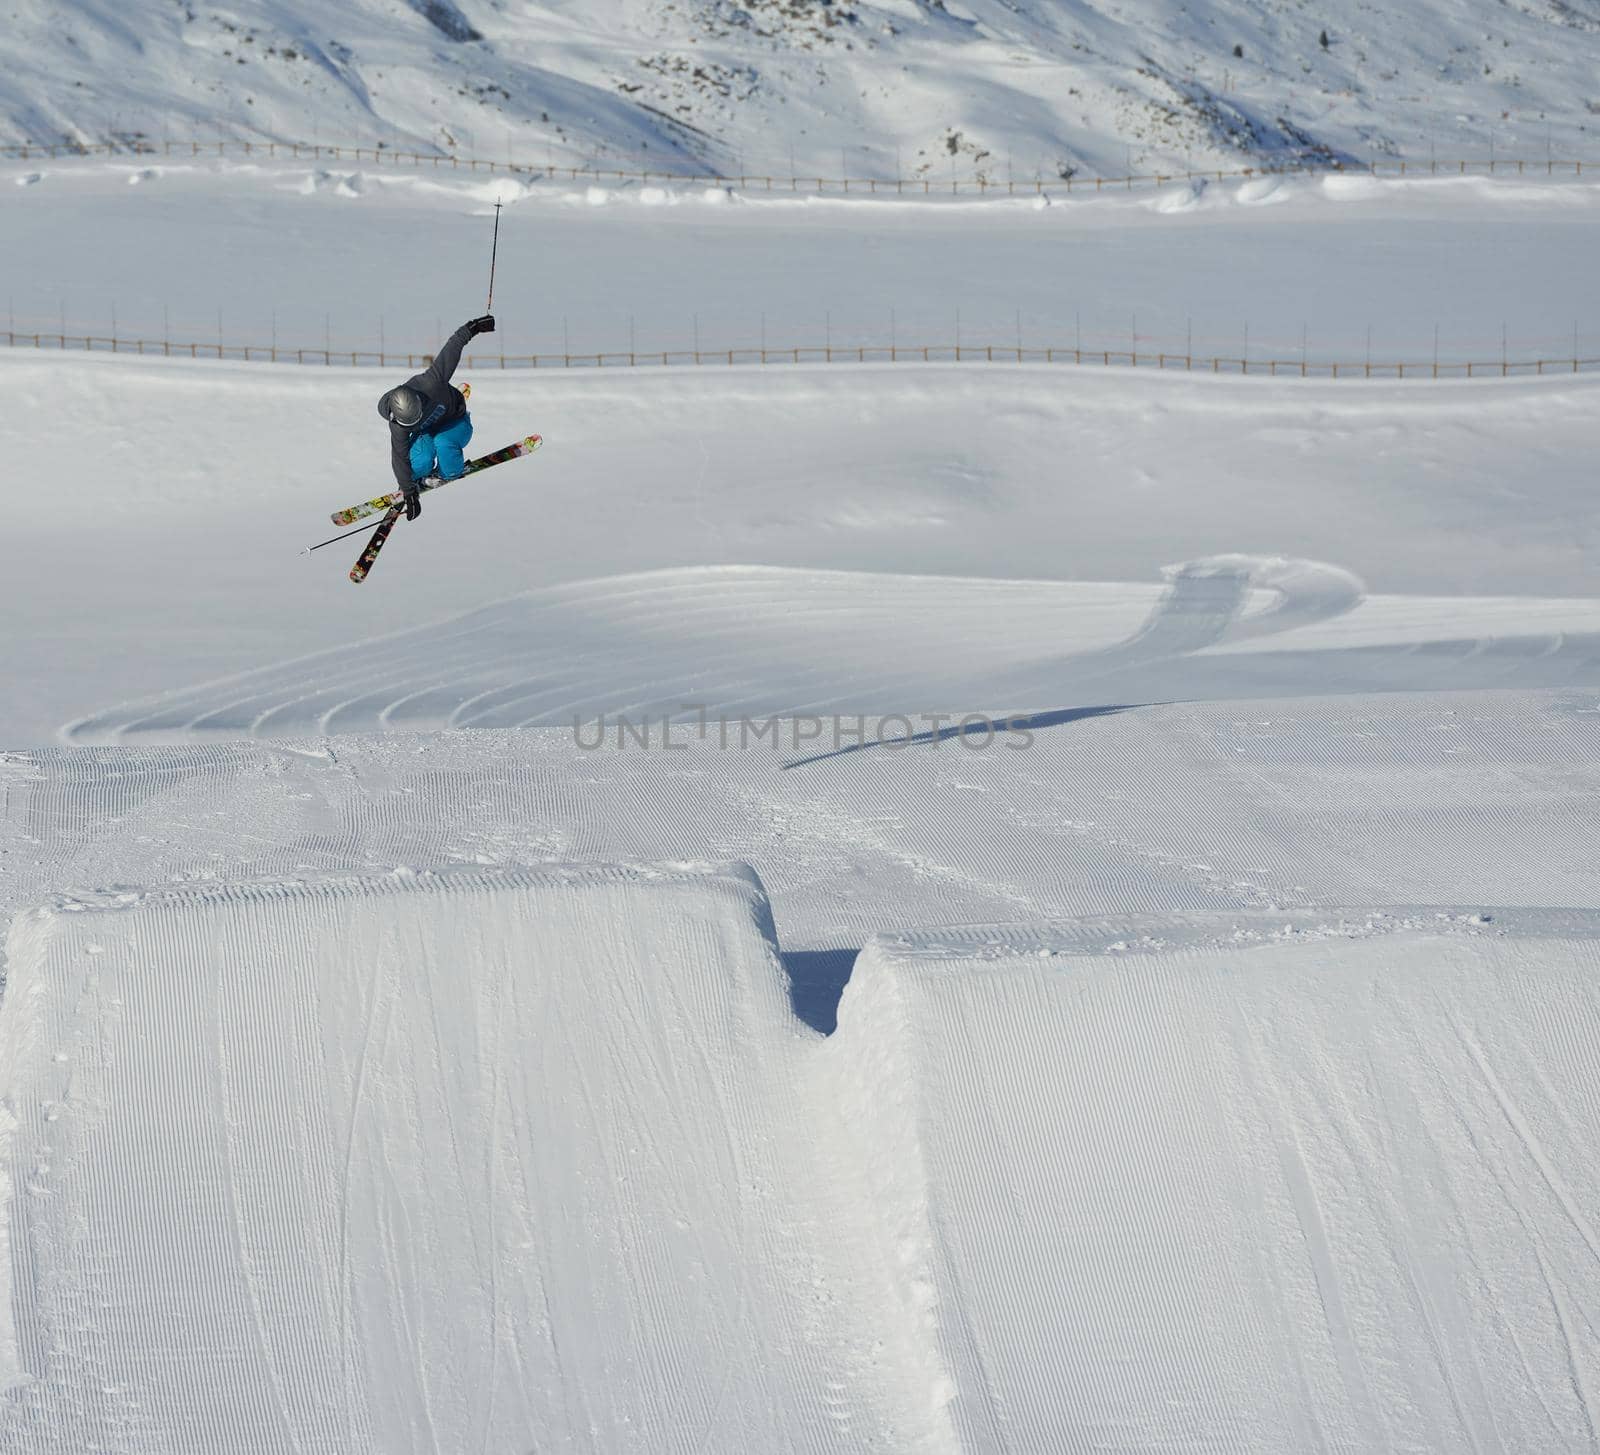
494,253
365,525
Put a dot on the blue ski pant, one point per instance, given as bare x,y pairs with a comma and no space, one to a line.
441,454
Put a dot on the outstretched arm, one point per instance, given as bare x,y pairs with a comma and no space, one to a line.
445,361
449,356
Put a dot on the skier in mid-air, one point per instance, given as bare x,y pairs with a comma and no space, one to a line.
428,421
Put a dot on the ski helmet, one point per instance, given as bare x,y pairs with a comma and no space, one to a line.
404,406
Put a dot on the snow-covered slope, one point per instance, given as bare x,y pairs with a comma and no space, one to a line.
387,1064
441,1162
496,1157
1331,269
868,87
1367,798
905,565
755,508
1262,1184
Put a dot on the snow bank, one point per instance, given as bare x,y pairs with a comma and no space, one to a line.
469,1160
635,528
1254,1182
730,645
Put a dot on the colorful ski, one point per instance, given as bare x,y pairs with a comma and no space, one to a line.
358,572
386,502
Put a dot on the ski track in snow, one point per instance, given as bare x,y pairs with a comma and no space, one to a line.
1217,1192
240,1348
384,1069
1226,1114
1192,1088
731,642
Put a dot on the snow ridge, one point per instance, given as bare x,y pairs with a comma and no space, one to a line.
1000,88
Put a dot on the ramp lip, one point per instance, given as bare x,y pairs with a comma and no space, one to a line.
1245,929
730,875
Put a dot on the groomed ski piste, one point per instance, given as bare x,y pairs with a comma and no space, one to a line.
849,907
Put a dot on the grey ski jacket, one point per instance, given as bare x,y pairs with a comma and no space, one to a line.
442,407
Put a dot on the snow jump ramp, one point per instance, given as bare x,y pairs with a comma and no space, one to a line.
529,1159
1249,1182
481,1160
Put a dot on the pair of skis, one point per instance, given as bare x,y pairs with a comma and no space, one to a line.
393,505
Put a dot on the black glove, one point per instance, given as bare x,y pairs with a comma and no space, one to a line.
485,324
413,499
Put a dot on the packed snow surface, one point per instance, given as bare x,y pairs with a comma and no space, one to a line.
998,534
1276,1184
1334,268
451,1160
445,1163
918,907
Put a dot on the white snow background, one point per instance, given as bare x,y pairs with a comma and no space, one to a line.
1206,1063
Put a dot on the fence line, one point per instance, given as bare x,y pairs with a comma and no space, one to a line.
873,186
819,354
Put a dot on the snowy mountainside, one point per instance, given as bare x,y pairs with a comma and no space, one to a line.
999,88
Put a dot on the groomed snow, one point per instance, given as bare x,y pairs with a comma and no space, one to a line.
432,1079
165,538
443,1162
458,1159
1258,1183
1373,798
1275,267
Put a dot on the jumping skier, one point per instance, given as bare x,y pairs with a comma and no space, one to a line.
428,421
